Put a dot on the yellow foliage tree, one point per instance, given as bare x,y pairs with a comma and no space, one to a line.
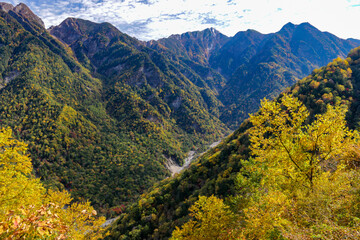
302,181
212,219
295,153
28,211
306,187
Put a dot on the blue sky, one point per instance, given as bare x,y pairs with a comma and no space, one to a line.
154,19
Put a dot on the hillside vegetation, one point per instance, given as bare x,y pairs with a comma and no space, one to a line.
29,211
257,65
102,114
166,205
93,133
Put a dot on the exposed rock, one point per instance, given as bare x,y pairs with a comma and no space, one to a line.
68,31
23,11
197,46
175,168
72,30
176,104
11,76
6,6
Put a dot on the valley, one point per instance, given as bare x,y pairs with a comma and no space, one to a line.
141,129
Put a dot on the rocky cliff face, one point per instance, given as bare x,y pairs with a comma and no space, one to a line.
197,46
6,6
23,11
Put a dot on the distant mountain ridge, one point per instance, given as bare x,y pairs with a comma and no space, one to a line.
248,66
103,112
259,65
197,46
166,205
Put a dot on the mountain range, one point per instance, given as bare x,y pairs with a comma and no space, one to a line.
166,205
257,65
104,113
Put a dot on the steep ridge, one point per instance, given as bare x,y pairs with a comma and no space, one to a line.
193,50
166,204
237,51
102,112
197,46
259,65
124,62
97,130
23,11
283,58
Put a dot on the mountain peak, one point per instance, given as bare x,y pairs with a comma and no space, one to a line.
288,26
68,30
6,6
72,29
25,11
291,25
289,29
306,24
22,10
212,30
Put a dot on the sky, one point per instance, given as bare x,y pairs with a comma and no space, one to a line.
154,19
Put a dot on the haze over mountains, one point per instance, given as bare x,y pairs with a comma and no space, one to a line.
103,112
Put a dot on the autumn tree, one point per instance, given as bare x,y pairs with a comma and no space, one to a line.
302,181
293,152
29,211
211,219
306,187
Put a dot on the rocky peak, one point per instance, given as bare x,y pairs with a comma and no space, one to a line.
6,6
23,11
72,30
212,31
68,31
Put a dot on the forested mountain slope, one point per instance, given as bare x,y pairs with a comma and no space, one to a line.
259,65
99,125
286,56
166,204
172,88
103,112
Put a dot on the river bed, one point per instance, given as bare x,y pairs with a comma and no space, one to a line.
175,168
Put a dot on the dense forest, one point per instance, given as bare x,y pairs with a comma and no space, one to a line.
93,134
29,210
90,119
234,170
256,65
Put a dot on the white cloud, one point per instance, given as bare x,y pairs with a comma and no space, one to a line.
152,19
